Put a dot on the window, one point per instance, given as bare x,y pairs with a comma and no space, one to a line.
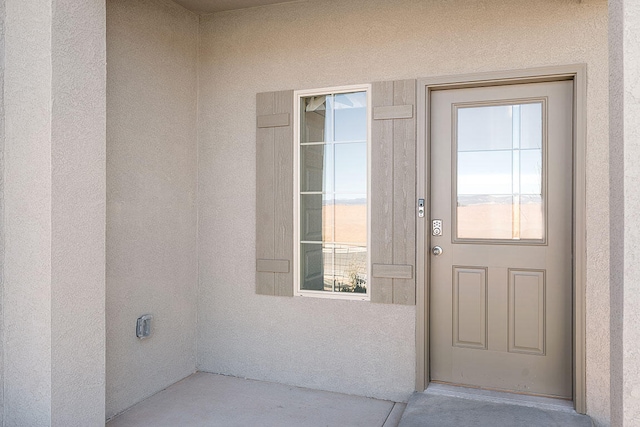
500,172
332,193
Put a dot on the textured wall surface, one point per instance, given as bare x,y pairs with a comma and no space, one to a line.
359,347
625,204
78,135
54,218
27,220
2,229
151,196
616,183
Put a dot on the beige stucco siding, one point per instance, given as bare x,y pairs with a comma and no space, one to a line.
27,258
624,53
151,197
360,347
53,223
78,128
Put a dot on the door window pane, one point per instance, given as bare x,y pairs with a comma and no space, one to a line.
485,128
499,172
531,226
484,172
531,125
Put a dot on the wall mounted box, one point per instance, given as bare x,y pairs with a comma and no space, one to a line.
143,326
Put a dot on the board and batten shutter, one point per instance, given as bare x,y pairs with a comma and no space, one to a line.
393,192
274,193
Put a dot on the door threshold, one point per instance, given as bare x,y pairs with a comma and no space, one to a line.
469,393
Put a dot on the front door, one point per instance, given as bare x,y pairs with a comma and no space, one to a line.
500,231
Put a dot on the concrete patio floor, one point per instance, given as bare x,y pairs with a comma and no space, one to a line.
448,406
204,399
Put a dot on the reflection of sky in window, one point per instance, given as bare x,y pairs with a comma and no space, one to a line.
350,117
351,168
347,123
499,149
491,172
334,170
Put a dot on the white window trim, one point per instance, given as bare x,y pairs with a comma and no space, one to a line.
296,192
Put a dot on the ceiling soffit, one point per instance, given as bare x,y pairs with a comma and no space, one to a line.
212,6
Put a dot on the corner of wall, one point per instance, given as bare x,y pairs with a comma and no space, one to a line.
151,219
196,355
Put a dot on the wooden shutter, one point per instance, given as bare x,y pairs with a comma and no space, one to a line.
393,192
274,193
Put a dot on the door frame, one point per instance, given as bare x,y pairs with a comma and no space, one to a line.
578,74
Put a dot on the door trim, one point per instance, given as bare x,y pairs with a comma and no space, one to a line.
578,74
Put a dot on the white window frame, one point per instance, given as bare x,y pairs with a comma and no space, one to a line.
297,95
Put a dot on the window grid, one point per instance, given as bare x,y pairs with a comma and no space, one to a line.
341,253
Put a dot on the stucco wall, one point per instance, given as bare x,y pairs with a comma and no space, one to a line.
27,220
358,347
78,134
151,196
2,230
54,195
625,203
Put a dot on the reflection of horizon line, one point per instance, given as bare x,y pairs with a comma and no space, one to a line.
338,245
345,202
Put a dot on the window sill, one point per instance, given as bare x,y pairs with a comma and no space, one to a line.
334,295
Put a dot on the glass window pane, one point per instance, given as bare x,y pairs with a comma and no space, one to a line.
329,256
531,172
499,172
351,219
333,192
350,111
316,168
531,226
531,122
328,218
311,217
313,259
485,128
317,118
350,268
351,168
485,217
484,172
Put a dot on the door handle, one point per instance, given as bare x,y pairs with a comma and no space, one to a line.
436,250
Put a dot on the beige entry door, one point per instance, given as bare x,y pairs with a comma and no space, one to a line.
500,231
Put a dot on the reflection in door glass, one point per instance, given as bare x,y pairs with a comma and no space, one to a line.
499,157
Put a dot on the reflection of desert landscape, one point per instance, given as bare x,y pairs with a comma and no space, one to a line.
345,265
500,221
486,220
349,221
